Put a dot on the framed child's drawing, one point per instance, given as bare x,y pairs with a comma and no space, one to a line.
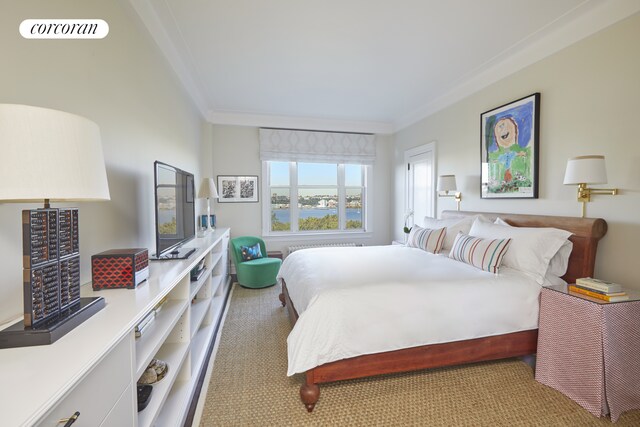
509,150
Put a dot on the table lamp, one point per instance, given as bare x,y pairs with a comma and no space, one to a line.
50,156
208,191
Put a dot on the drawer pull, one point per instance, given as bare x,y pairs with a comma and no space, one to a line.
68,421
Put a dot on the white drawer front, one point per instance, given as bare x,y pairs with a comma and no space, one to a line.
123,414
98,392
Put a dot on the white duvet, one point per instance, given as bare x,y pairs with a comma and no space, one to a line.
355,301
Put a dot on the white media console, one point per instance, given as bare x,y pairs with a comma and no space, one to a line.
94,369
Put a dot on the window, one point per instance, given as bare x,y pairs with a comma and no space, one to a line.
328,197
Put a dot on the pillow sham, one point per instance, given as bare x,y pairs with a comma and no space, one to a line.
485,254
560,262
531,248
251,252
453,225
426,239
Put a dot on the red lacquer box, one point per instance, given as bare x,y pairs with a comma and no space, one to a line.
119,268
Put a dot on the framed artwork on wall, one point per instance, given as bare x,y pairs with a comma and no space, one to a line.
509,145
237,188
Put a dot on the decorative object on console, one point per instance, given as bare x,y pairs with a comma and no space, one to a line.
208,191
235,188
144,396
50,155
197,271
51,263
584,170
119,268
447,184
155,372
509,150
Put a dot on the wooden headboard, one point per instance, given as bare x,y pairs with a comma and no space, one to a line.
586,234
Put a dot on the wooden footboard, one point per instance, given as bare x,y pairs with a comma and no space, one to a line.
411,359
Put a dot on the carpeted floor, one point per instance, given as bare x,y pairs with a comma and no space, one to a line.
249,386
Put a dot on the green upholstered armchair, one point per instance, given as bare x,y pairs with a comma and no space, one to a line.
256,273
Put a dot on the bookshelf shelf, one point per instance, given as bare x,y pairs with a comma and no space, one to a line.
198,312
174,355
157,332
195,287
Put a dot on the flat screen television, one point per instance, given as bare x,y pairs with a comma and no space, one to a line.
175,211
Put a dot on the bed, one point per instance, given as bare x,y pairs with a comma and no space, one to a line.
512,335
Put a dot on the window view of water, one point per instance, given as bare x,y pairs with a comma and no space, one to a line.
283,215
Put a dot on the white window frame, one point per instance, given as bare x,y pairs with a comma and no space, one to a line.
367,223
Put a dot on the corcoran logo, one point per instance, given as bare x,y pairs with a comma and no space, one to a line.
64,29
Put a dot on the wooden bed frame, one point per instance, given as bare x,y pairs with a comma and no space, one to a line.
586,234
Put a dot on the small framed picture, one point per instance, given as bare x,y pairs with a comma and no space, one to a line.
237,188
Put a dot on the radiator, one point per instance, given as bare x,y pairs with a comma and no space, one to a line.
321,245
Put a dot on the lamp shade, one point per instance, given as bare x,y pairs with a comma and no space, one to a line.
447,183
207,189
49,154
585,170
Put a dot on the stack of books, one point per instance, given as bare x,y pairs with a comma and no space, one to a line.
599,289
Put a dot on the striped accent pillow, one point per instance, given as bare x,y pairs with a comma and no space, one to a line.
485,254
426,239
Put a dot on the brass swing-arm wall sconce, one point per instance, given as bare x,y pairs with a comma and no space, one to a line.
447,184
585,170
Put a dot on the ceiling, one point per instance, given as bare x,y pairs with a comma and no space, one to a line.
357,65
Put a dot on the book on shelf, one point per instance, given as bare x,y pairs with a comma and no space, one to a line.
159,305
603,297
599,285
195,276
141,329
144,324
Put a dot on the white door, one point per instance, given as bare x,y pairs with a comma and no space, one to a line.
420,197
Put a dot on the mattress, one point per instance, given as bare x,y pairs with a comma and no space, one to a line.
365,300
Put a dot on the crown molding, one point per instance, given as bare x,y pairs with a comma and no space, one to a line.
583,21
567,30
295,122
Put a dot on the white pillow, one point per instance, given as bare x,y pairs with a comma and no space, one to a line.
454,226
531,248
560,261
551,280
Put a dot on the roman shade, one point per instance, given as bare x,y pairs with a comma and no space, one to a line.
317,147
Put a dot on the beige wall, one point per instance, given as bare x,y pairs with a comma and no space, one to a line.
236,152
123,84
590,96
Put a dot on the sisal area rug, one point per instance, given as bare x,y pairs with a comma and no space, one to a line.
249,386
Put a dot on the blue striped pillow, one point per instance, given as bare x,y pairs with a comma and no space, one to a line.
485,254
426,239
